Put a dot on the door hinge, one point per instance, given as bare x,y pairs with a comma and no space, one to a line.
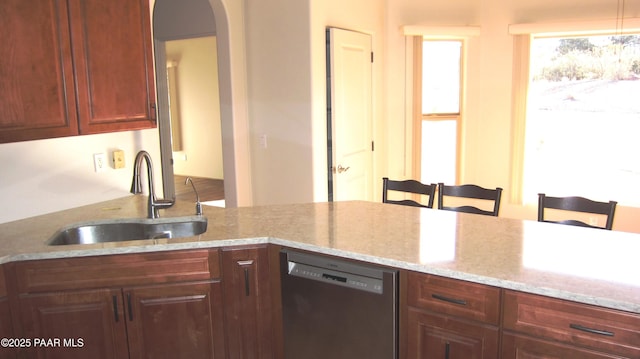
372,146
371,56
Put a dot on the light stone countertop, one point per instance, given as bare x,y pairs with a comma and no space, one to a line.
581,264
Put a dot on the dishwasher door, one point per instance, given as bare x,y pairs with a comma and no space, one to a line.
334,309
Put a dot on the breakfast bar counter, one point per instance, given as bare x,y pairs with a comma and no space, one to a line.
584,265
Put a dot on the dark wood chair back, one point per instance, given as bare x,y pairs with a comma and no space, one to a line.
470,191
408,186
576,204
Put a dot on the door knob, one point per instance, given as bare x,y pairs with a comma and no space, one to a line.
339,169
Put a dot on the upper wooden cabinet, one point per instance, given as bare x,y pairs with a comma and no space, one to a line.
75,67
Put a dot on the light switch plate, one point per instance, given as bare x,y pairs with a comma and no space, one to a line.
118,159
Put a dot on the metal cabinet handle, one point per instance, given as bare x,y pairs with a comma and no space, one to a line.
591,330
247,282
449,300
115,308
130,307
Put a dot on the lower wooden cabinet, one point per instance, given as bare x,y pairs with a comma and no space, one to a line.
6,330
222,303
247,302
451,319
556,328
141,308
442,337
177,320
184,304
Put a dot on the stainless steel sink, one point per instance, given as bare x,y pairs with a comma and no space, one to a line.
129,229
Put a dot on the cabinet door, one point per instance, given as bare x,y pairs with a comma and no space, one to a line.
5,328
442,337
182,320
75,324
36,71
247,298
113,64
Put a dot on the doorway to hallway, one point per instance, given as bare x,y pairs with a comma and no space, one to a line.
189,100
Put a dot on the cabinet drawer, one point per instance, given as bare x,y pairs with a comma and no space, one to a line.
454,297
522,347
126,269
612,331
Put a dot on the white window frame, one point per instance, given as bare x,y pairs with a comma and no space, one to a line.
419,117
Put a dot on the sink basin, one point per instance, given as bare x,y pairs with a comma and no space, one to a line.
117,230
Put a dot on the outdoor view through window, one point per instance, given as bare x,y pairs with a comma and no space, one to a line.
583,119
441,81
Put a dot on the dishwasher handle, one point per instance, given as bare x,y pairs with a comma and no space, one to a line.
332,277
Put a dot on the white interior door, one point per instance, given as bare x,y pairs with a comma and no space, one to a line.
350,63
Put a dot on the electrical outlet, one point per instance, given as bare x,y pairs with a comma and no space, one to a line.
99,162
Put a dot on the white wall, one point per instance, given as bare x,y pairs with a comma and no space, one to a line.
45,176
199,106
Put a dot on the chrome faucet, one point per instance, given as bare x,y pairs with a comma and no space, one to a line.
136,186
198,204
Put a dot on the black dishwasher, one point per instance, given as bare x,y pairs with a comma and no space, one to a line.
335,309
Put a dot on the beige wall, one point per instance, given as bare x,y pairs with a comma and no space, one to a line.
279,90
199,107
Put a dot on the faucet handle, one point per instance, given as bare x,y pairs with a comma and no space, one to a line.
198,204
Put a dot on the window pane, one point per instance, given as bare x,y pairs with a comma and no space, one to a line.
438,151
583,119
441,77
